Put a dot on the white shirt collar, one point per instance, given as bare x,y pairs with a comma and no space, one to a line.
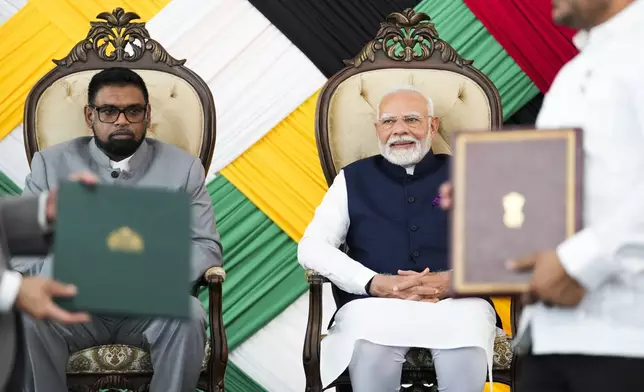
123,165
621,23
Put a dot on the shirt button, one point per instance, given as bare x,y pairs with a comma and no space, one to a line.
415,254
414,228
411,199
115,174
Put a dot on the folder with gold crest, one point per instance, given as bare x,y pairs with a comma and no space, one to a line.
126,249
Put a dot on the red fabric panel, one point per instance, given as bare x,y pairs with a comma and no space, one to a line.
526,31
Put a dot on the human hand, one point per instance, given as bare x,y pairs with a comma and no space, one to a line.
384,285
550,282
83,177
430,287
445,192
35,297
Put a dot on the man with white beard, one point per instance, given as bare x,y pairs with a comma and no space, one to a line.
385,209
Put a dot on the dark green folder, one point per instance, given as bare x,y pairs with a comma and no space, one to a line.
126,249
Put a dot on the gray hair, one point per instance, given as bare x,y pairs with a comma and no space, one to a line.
411,89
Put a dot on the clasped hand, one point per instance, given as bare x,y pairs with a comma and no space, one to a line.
422,286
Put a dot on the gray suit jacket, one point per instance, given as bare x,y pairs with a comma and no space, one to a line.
20,234
155,164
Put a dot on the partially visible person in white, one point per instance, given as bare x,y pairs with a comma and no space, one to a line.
586,330
389,307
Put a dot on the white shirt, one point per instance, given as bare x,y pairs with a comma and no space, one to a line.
602,92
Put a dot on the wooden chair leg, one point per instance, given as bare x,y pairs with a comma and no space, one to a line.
219,343
311,351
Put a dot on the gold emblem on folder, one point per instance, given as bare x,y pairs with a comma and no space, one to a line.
125,240
513,203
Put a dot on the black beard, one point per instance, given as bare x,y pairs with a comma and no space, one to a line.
119,148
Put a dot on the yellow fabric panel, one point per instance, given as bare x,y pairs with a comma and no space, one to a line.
502,305
281,173
497,387
44,30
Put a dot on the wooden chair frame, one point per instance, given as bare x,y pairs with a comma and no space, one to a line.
402,29
116,29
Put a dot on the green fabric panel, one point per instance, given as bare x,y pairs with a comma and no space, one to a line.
457,25
8,187
263,276
238,381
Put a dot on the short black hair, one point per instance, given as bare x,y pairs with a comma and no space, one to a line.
115,76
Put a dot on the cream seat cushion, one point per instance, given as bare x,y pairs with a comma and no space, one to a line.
177,113
458,101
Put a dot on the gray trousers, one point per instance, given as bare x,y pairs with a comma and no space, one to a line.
176,348
376,368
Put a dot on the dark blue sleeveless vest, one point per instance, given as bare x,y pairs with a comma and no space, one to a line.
396,222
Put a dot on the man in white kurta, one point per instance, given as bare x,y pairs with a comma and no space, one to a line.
365,208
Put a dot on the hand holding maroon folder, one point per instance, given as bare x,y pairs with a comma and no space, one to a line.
513,194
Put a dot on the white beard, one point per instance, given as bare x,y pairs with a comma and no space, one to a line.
408,156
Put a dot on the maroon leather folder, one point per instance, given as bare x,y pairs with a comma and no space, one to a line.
515,192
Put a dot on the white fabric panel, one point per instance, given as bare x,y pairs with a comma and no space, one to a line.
256,75
9,7
13,160
273,355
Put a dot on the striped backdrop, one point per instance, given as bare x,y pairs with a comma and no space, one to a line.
265,71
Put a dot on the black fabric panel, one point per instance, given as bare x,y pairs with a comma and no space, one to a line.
329,31
527,115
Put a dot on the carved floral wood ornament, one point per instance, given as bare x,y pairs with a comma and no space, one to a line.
111,39
407,36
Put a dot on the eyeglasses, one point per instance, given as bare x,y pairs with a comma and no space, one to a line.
411,121
109,114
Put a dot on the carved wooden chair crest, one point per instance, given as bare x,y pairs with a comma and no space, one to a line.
183,114
406,51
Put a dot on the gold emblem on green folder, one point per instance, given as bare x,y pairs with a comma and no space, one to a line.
125,240
513,203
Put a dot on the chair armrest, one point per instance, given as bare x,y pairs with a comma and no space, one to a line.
313,277
214,275
311,349
214,278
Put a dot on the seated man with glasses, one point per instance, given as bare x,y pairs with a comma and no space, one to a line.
118,113
393,278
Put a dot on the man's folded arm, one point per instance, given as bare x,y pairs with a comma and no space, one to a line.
599,252
207,250
319,247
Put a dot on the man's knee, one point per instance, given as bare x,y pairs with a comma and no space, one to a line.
460,369
179,330
367,352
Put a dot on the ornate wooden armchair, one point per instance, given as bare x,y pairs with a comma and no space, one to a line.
183,114
406,50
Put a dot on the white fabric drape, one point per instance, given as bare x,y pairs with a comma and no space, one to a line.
256,75
9,7
13,160
273,355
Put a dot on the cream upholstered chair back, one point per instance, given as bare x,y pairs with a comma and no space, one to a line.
183,110
406,51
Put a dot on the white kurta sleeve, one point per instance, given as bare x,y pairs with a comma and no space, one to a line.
616,244
319,247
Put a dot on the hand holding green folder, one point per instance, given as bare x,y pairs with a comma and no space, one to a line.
126,249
